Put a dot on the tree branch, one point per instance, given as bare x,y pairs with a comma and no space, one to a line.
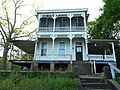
25,35
3,33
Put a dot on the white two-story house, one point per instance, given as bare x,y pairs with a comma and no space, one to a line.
62,37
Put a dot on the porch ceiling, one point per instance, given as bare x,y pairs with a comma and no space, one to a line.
98,48
25,45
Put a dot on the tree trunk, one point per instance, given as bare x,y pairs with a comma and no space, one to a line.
4,59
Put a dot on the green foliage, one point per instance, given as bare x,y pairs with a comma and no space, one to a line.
17,81
118,79
108,24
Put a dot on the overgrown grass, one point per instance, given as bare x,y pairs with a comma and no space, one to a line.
16,81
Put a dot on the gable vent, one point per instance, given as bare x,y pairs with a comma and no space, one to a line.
78,35
62,15
61,35
76,15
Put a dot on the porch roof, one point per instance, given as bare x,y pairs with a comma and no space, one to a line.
102,40
25,45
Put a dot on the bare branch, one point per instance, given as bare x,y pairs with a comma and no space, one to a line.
3,33
21,26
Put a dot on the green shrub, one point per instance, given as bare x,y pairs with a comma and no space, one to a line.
19,81
118,79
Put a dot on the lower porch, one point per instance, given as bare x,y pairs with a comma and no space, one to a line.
79,67
30,65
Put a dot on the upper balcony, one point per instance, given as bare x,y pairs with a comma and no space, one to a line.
62,24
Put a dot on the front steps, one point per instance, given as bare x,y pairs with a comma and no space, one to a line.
93,82
81,67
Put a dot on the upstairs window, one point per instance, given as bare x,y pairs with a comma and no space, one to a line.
46,22
62,22
77,21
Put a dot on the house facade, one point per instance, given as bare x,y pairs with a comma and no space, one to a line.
62,36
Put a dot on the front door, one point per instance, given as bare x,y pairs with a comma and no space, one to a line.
78,53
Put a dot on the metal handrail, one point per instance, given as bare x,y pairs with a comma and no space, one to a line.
113,69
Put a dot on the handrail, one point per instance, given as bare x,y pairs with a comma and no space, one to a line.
91,63
113,69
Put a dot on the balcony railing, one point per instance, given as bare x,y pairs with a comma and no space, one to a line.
46,29
62,29
77,29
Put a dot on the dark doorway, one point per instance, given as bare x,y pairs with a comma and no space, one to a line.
78,53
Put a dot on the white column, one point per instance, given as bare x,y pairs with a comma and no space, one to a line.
85,22
54,23
39,16
53,44
70,17
113,48
70,49
70,23
86,42
35,49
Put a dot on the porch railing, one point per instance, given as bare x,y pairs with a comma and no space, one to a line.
102,57
53,57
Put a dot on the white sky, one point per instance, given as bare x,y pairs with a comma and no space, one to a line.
92,5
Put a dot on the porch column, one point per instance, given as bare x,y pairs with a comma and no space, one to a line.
70,49
86,42
113,48
84,22
35,49
70,17
70,23
53,44
54,23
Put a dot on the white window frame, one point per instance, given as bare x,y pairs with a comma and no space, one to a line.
46,48
59,48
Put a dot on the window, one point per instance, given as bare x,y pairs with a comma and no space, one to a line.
44,49
62,48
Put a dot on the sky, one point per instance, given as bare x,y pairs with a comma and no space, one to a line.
92,5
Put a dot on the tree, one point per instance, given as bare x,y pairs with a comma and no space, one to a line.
108,24
11,24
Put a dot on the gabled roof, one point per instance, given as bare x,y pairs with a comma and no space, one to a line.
61,10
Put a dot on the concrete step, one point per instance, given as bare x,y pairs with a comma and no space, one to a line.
91,79
95,89
93,82
95,85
